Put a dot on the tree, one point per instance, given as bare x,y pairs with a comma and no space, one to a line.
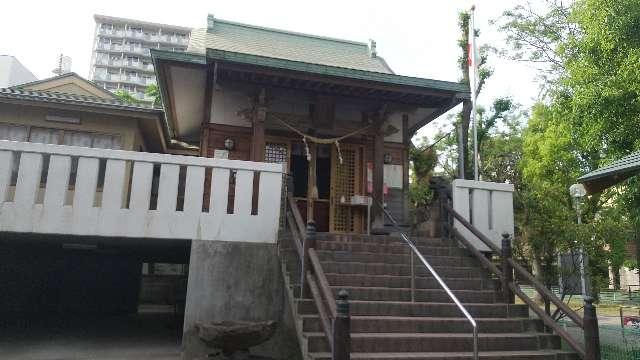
126,97
153,91
484,72
535,33
590,50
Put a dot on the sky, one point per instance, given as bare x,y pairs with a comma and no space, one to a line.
416,37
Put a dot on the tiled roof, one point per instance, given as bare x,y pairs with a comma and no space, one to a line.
65,75
72,99
272,43
629,163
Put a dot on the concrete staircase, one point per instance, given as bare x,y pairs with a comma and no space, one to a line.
386,324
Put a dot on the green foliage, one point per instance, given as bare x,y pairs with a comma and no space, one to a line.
423,160
126,97
462,119
590,54
153,91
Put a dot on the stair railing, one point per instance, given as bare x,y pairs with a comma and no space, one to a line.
588,323
415,251
334,314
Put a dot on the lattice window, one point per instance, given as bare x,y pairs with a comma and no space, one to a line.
276,153
279,153
345,187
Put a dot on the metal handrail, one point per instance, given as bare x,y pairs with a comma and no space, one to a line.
508,266
433,272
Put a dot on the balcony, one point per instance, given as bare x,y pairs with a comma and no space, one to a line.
111,32
135,195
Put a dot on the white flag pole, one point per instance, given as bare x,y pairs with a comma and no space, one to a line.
473,83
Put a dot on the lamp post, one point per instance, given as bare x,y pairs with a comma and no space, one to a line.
578,192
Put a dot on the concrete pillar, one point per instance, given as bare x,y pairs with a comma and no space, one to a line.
236,281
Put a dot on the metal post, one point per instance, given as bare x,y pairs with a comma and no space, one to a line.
413,279
309,243
591,331
507,270
341,332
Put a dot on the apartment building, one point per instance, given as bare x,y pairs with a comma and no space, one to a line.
121,58
12,72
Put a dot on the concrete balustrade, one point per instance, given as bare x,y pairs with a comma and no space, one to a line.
54,189
486,205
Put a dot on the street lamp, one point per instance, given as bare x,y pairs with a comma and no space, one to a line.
578,192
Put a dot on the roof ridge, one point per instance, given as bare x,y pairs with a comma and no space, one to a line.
289,32
76,97
58,77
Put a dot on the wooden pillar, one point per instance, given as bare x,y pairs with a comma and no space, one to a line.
312,192
378,176
507,270
406,141
341,329
257,138
208,100
591,330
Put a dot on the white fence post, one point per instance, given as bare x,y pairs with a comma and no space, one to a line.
112,217
486,205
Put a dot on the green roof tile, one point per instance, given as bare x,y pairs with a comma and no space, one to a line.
280,44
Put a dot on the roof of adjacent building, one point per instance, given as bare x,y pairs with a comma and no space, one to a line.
72,99
287,45
612,174
51,83
114,19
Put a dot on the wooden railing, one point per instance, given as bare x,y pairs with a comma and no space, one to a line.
588,323
334,314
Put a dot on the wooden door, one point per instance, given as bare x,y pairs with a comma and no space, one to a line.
346,181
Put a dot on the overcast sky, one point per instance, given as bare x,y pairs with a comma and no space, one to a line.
417,38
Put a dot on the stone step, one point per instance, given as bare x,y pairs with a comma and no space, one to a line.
445,250
408,324
422,309
341,267
485,355
391,281
438,342
346,256
383,239
422,295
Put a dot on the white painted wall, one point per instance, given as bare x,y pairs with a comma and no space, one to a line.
488,206
112,217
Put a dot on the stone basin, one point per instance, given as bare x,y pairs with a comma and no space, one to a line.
235,336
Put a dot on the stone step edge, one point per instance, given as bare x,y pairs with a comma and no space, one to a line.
438,355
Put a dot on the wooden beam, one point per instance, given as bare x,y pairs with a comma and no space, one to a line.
340,81
312,191
406,141
258,117
378,168
208,100
427,119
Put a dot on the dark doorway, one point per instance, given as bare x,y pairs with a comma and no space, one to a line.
299,169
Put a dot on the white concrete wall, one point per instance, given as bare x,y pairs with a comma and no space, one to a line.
488,206
114,216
